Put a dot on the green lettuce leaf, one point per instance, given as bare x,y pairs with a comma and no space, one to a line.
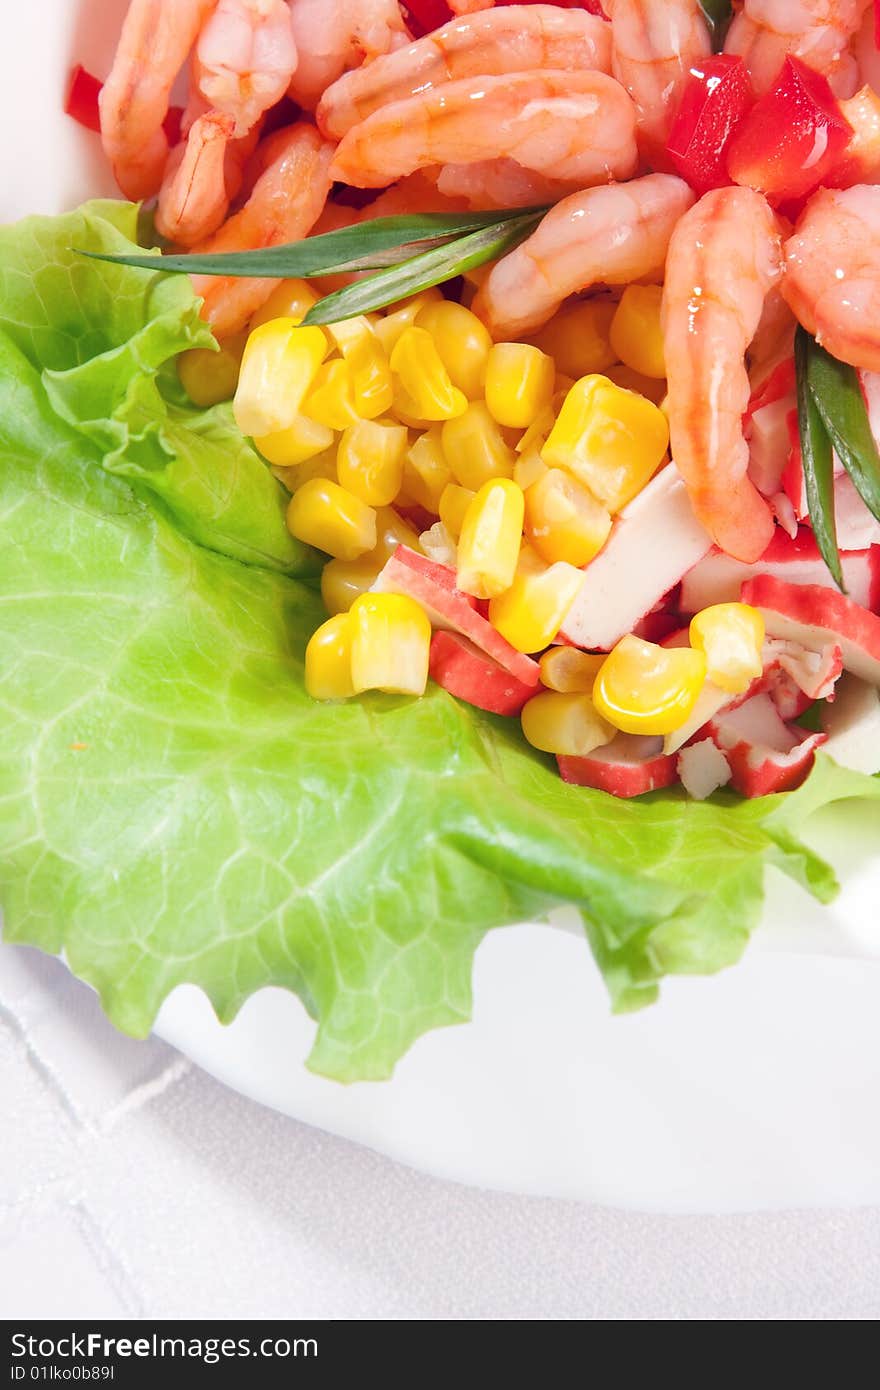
174,808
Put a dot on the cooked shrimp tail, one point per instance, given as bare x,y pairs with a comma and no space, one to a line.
245,58
334,35
764,32
654,46
193,199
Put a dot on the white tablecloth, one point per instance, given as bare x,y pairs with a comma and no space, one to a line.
133,1185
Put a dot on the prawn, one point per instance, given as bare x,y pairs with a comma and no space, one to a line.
156,37
610,235
572,126
244,58
286,201
832,273
332,36
511,39
193,199
765,32
653,47
724,258
498,183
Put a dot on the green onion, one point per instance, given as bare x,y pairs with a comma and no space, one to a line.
370,245
818,462
420,272
718,14
835,388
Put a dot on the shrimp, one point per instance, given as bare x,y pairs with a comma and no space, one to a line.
286,201
156,37
575,126
512,39
609,235
193,199
334,35
653,47
469,6
724,258
832,273
499,183
765,32
245,58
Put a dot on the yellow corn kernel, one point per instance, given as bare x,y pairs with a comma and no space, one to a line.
392,530
528,468
370,460
519,383
636,335
491,533
390,326
403,409
342,581
577,338
569,670
651,387
562,384
438,545
425,471
645,689
532,610
368,362
331,398
291,299
538,430
475,448
462,341
731,635
454,502
210,377
302,440
278,366
424,382
610,439
564,723
391,644
328,660
321,466
323,514
563,519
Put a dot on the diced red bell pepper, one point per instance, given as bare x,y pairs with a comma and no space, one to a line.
81,101
792,138
717,95
424,15
877,23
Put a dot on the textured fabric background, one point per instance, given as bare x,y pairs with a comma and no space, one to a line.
133,1185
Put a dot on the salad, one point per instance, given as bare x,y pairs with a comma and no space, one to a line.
444,485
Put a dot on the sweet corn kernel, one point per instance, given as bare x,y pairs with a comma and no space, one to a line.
390,326
462,341
538,430
519,383
391,644
328,660
278,366
488,547
645,689
564,723
651,387
475,448
342,581
577,338
321,466
370,370
563,519
454,502
302,440
425,471
532,610
569,670
731,635
528,468
323,514
636,335
392,530
438,545
291,299
210,377
610,439
370,460
331,398
423,379
403,409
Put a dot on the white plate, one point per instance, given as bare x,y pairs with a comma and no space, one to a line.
756,1088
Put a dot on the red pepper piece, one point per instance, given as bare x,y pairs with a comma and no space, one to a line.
717,96
171,125
792,138
81,101
424,15
877,23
